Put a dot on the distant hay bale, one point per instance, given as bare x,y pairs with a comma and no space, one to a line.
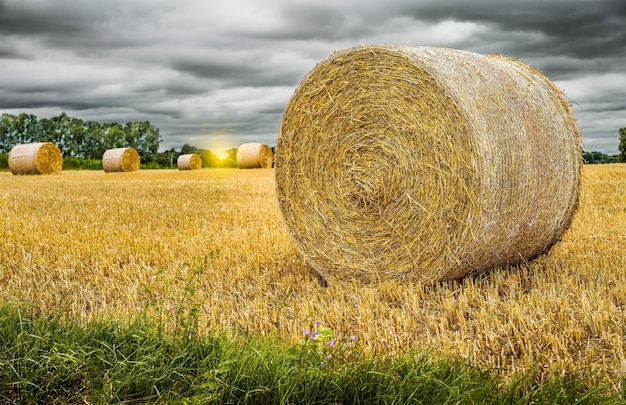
425,164
190,161
120,160
254,156
35,158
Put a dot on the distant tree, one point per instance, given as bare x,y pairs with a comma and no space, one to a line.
622,145
167,158
115,137
94,145
595,157
187,149
24,129
231,159
6,132
209,159
79,139
4,160
144,138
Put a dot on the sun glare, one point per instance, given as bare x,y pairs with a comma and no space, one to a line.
220,153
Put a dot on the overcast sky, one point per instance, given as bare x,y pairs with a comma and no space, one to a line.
216,74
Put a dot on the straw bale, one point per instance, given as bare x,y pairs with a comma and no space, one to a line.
425,164
120,160
190,161
254,156
35,158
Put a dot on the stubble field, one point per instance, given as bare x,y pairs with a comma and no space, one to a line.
211,244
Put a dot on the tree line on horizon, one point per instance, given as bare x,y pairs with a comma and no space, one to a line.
595,157
77,138
83,143
88,140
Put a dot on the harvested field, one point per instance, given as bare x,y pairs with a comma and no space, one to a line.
94,244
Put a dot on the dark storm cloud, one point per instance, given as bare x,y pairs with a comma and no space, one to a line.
31,20
316,21
82,27
253,73
312,21
203,70
8,52
173,88
41,101
581,29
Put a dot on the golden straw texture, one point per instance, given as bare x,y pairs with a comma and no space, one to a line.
190,161
35,158
254,156
425,164
120,160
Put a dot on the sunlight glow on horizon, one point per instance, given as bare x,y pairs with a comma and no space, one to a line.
220,153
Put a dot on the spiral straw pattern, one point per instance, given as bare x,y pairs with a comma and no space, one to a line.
425,164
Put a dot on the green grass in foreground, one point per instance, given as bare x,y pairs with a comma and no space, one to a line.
47,360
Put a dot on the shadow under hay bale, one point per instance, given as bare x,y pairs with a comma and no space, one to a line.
35,158
120,160
425,164
190,161
254,156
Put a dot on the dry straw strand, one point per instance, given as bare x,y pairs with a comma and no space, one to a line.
425,164
254,156
35,158
120,160
191,161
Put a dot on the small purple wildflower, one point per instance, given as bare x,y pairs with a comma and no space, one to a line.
353,338
330,356
314,335
306,332
317,323
322,364
331,342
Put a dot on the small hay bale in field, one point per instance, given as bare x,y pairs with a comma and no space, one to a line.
425,164
254,156
35,158
120,160
190,161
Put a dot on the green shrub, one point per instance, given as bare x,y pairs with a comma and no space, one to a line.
72,163
4,161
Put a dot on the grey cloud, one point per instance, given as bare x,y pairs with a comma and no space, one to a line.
9,51
564,67
312,22
178,66
172,88
583,28
41,100
82,27
32,20
307,22
254,70
313,17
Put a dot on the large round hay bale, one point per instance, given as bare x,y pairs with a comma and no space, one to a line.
35,158
120,160
254,156
425,164
191,161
